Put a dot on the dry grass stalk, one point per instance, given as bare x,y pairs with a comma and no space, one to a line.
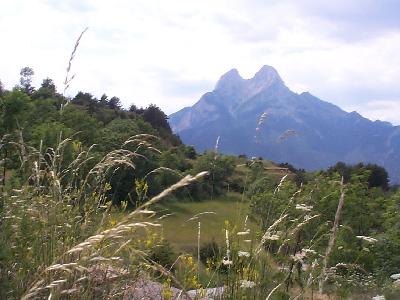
68,78
120,229
268,233
332,238
273,291
160,169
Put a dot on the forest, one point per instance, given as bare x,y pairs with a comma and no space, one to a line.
89,190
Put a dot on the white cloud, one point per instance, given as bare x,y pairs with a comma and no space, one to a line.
171,52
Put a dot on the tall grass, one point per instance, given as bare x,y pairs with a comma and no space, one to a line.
63,239
68,77
59,226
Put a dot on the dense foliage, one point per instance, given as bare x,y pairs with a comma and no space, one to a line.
33,117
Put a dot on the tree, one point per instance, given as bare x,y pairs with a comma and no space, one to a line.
156,117
78,119
103,100
114,103
83,99
219,168
46,90
118,131
43,110
133,108
343,169
87,100
174,159
49,84
2,90
49,135
26,80
14,110
190,152
267,202
378,177
387,249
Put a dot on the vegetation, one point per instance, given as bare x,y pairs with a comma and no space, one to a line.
97,200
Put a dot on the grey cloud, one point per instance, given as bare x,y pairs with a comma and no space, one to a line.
362,20
383,14
341,19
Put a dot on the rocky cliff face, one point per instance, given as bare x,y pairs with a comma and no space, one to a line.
260,116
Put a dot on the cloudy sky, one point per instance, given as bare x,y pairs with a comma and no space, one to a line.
171,52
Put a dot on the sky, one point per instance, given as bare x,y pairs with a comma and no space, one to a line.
172,52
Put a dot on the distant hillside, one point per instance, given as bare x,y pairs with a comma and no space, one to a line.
262,117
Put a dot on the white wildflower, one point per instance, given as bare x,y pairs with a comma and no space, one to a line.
298,256
367,238
340,265
395,276
303,207
244,232
228,251
314,264
308,217
308,251
378,297
227,262
243,254
246,284
273,237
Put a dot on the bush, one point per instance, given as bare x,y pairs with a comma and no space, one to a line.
210,251
163,254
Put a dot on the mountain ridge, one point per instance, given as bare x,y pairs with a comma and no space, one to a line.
321,132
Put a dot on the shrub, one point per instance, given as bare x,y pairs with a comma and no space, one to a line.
210,251
163,254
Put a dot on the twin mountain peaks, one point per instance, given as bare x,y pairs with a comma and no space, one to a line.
260,116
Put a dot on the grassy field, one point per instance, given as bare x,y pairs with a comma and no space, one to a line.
182,232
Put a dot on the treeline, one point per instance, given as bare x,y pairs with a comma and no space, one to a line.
43,117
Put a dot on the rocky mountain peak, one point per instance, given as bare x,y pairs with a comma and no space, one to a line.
232,111
265,77
229,79
266,73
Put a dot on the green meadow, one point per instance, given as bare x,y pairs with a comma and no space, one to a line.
180,228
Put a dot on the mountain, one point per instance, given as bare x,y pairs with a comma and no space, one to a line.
260,116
